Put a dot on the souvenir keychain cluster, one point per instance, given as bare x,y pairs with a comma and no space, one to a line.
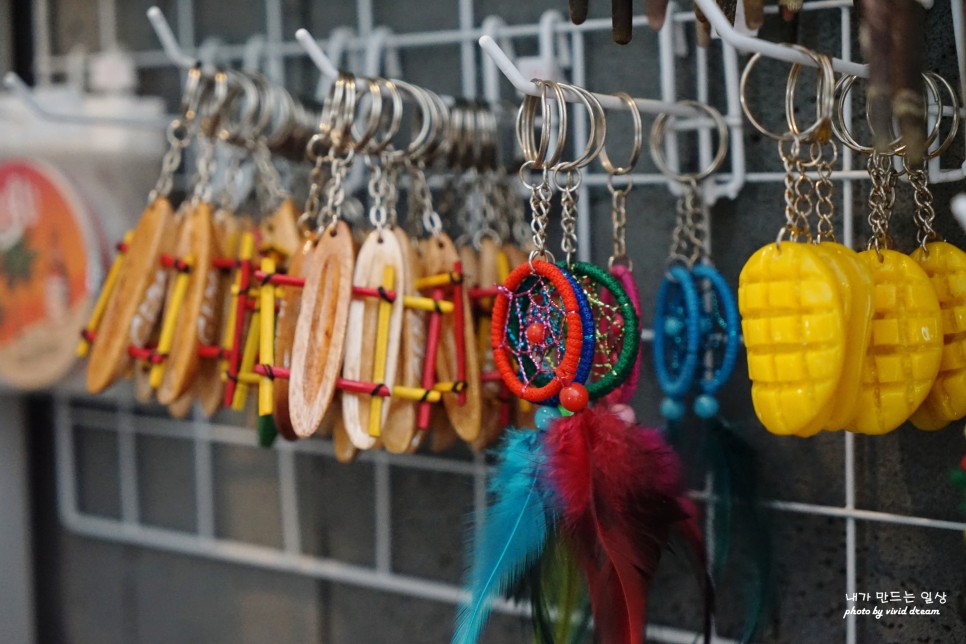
844,340
369,336
586,499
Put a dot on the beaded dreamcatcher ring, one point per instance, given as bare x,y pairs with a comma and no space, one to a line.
615,329
720,326
625,391
677,339
539,330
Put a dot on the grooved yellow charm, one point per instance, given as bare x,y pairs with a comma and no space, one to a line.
793,322
946,267
856,290
904,352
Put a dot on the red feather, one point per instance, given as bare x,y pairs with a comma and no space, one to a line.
621,491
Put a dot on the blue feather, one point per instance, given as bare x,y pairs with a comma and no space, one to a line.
514,532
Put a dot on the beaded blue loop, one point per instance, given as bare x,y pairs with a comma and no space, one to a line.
727,326
678,284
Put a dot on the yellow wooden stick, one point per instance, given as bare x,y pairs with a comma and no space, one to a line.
266,388
250,378
426,304
245,251
432,281
247,362
382,348
84,346
170,321
415,393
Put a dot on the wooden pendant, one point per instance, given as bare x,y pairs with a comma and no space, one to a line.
195,241
280,231
345,452
109,359
494,267
440,256
320,332
209,386
181,407
374,337
290,302
400,425
443,436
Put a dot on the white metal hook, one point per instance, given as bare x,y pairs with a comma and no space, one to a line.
316,54
553,53
208,51
169,43
491,27
253,53
744,42
338,45
526,86
16,85
376,48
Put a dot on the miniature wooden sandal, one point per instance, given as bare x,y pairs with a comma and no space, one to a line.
134,306
209,384
494,269
184,306
320,333
457,363
400,425
374,336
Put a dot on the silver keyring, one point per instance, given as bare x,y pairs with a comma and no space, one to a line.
821,129
638,140
598,129
526,119
659,128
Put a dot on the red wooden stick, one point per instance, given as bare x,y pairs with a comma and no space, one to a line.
429,360
480,293
460,331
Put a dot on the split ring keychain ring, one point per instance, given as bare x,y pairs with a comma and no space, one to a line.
823,99
841,129
638,140
539,318
680,290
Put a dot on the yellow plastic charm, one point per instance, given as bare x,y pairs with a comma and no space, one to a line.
946,267
793,322
904,353
856,290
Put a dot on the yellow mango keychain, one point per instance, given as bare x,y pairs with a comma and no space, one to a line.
945,265
795,299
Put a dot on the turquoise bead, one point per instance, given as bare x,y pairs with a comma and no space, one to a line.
706,406
545,416
672,409
673,326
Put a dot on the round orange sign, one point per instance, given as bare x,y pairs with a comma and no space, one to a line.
48,269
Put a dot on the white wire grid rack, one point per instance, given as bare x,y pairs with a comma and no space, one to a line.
74,416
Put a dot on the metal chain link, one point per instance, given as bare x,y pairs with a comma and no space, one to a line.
825,207
206,169
618,203
391,178
568,214
925,215
313,204
540,196
422,199
179,134
268,184
378,214
689,235
228,197
881,198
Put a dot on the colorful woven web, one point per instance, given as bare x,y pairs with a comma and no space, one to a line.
719,328
536,329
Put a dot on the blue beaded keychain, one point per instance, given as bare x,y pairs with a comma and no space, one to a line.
696,322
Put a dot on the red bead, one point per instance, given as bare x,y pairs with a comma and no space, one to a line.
536,333
574,397
962,463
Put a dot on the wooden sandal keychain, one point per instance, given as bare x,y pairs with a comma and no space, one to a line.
129,307
320,332
696,323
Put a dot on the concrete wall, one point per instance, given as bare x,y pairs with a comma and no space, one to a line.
93,592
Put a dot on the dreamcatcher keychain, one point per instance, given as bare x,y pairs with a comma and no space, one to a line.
586,481
695,318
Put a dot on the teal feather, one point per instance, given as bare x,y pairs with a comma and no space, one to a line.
515,529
